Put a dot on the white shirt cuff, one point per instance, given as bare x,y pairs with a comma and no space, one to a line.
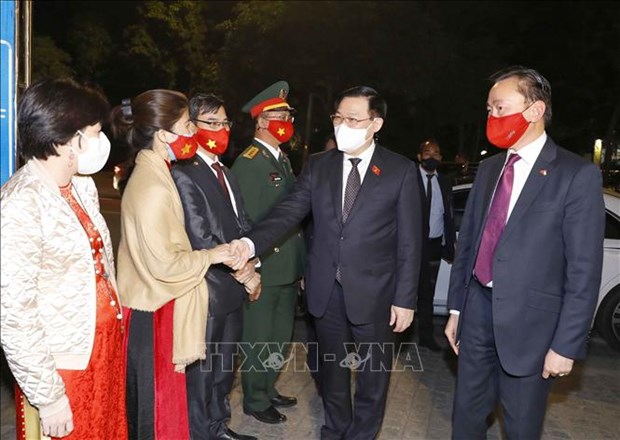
250,244
454,312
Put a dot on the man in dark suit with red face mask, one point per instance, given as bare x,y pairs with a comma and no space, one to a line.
214,214
525,280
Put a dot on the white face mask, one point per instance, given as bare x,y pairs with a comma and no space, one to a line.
350,139
96,154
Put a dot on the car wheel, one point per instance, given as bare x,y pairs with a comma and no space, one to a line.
608,318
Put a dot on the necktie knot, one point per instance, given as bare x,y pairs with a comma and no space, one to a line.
355,162
512,159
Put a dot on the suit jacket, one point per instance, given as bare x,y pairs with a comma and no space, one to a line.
547,264
378,248
209,221
264,181
449,234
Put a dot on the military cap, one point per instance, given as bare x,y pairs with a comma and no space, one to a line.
272,98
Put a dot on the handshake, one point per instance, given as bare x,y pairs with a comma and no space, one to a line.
236,255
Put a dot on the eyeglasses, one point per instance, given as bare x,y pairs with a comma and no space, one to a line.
351,122
285,117
216,125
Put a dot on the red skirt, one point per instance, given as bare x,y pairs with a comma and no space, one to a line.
96,394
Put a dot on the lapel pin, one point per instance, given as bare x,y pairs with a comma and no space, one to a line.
543,172
375,169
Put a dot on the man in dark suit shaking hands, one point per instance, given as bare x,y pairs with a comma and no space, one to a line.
214,214
363,267
525,279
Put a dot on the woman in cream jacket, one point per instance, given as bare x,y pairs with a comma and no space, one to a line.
61,327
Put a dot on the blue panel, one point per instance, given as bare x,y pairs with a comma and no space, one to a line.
7,89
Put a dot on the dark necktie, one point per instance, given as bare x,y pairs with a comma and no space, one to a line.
429,192
354,182
220,178
496,221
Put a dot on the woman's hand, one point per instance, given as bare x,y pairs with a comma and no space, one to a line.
59,424
220,254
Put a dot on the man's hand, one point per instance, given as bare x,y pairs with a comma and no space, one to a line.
59,424
556,365
400,318
241,253
254,287
246,273
450,332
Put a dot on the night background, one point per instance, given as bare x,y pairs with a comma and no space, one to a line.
430,60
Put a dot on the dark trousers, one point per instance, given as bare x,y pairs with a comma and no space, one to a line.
426,294
140,377
313,359
373,357
481,381
209,381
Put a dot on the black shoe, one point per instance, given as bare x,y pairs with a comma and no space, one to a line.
283,401
270,415
229,434
430,344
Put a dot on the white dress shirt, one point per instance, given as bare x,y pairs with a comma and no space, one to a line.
522,168
210,162
362,167
529,153
435,220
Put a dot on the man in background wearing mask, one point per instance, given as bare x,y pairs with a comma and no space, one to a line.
364,263
214,214
527,271
265,177
439,234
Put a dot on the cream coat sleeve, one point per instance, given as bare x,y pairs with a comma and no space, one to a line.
157,243
22,332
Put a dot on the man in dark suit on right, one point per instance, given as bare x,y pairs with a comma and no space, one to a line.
525,280
438,232
364,261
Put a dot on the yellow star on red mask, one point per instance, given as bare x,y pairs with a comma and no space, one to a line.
186,149
211,144
281,132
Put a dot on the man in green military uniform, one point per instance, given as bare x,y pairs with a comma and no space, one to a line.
265,177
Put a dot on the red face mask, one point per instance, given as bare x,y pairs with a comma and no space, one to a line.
281,130
505,131
183,147
215,142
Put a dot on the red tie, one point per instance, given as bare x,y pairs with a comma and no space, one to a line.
496,221
220,178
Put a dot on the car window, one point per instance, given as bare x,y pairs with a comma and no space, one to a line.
612,226
459,200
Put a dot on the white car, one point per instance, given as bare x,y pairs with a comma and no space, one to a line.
607,317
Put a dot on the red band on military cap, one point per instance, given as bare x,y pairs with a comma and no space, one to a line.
272,103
